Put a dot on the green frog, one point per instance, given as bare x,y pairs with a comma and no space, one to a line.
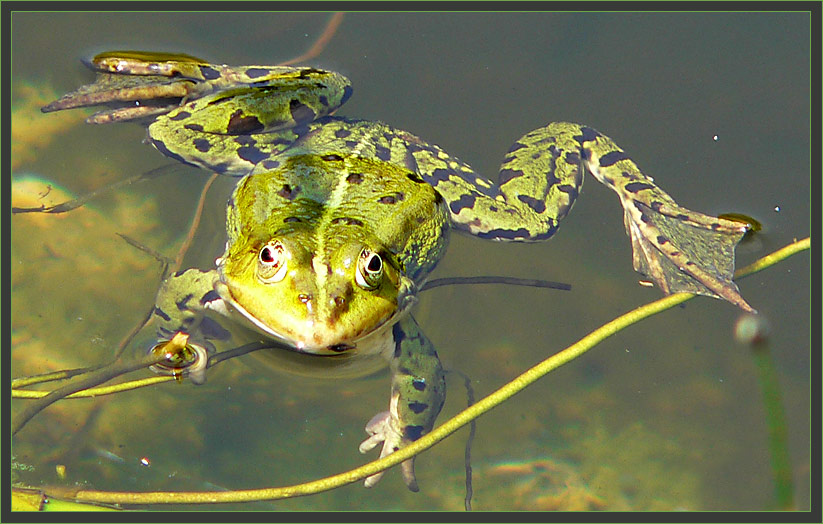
335,224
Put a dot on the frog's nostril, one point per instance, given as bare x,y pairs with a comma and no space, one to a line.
304,298
339,301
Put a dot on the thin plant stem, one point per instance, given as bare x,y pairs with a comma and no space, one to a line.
321,42
777,426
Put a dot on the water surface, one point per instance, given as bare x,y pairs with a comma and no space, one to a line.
667,415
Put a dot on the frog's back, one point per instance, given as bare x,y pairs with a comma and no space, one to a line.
334,198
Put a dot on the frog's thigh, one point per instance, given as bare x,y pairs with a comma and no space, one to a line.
418,384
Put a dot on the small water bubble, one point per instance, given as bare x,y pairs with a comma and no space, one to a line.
777,209
715,137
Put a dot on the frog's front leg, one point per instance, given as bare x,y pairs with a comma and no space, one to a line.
418,390
181,306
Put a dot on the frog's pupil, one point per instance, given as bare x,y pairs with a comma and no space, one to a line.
266,255
374,264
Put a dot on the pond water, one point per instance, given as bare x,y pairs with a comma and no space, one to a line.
667,415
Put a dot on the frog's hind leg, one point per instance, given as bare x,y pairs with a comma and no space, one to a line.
540,178
679,249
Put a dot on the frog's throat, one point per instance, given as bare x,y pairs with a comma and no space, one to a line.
406,297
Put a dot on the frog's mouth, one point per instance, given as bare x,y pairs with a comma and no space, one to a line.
309,336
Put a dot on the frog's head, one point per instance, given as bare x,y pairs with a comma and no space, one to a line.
317,298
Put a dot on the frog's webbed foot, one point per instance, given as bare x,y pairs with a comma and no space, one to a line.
679,249
380,429
684,251
132,92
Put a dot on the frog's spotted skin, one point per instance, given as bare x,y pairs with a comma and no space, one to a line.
336,223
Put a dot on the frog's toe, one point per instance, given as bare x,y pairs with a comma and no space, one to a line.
380,430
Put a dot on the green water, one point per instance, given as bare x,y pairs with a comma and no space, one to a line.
666,416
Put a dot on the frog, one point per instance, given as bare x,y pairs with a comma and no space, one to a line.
335,224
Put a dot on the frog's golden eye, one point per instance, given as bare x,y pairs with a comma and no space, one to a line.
271,262
369,269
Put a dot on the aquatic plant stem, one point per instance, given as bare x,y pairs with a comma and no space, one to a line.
461,419
90,380
777,427
321,42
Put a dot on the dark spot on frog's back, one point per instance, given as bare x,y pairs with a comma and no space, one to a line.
332,158
240,124
349,221
342,133
292,219
300,112
202,145
383,153
182,115
257,72
572,157
392,199
251,154
354,178
587,134
209,73
287,192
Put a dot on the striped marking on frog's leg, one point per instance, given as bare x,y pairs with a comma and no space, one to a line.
679,249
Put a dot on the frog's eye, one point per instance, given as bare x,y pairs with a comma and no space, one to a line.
271,262
369,270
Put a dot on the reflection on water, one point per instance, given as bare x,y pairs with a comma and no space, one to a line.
665,416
